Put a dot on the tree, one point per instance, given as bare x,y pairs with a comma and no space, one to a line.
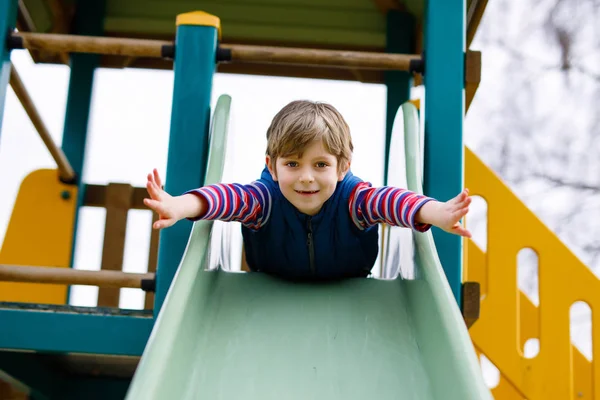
536,117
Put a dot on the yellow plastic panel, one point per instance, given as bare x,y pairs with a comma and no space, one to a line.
199,18
508,318
40,233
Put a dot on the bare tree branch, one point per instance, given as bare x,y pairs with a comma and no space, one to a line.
566,183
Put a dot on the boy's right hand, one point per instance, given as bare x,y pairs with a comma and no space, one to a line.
170,209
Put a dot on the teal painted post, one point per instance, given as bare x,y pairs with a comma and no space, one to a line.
89,20
8,17
400,38
444,113
195,63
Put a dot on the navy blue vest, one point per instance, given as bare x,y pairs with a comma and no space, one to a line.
325,246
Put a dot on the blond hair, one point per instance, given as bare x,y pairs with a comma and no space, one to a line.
301,122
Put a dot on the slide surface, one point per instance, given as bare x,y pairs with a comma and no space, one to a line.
227,335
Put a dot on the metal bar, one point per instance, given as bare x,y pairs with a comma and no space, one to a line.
318,57
67,173
58,43
238,53
68,276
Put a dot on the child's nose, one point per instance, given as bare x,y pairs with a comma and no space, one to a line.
306,177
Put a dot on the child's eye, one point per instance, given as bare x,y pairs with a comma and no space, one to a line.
321,165
291,164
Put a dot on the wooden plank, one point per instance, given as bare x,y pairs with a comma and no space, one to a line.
118,203
474,15
95,196
152,260
472,76
471,300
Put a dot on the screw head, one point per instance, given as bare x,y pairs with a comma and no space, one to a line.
65,195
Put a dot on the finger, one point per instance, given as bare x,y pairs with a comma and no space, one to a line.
465,203
460,230
151,177
157,179
458,198
461,203
163,223
153,190
461,212
155,206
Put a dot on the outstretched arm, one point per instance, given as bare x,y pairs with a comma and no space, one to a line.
248,204
401,207
447,215
171,209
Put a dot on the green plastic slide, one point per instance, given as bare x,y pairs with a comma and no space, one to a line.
224,335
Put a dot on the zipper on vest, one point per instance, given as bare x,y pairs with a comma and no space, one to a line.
311,246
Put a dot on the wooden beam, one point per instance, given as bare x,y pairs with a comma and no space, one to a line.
118,203
472,76
474,15
319,57
152,260
471,302
58,43
95,196
24,19
69,276
249,54
61,21
67,173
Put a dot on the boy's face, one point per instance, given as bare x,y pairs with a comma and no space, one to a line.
309,181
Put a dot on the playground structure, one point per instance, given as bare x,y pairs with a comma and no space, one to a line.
76,352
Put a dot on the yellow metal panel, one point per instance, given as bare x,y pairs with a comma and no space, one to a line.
508,318
40,233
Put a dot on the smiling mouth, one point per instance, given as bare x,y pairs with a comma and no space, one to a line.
307,192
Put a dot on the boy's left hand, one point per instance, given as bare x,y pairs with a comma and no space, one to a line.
447,215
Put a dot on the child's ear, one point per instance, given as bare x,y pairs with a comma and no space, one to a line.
271,166
343,171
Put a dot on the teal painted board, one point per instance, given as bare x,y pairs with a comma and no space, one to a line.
72,332
444,114
8,16
237,335
87,21
400,38
194,67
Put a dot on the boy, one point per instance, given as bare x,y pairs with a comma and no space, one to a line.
308,216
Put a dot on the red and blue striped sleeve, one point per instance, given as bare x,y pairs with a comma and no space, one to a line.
393,206
248,204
